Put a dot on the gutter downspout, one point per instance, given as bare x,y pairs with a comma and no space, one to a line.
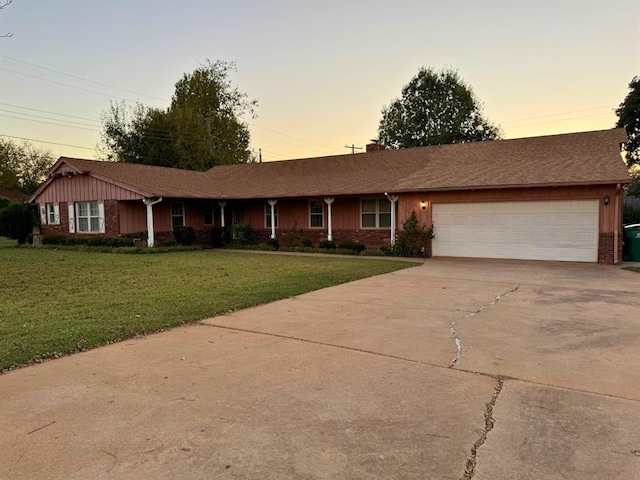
150,202
329,201
273,217
616,231
393,199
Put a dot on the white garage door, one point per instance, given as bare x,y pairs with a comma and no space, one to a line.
546,230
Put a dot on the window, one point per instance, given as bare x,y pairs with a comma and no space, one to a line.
316,214
208,214
53,214
88,217
376,213
267,215
177,215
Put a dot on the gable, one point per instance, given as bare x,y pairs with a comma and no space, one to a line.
79,188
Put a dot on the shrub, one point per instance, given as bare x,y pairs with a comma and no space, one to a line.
245,234
184,235
386,249
136,235
91,241
415,238
306,242
4,203
352,245
17,222
327,244
292,238
273,243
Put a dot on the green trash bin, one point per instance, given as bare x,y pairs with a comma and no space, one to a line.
631,250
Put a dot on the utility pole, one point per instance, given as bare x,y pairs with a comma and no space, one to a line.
260,155
353,147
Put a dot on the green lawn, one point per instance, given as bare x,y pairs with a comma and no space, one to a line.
633,269
60,301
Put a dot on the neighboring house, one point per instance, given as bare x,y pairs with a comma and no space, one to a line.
12,194
550,198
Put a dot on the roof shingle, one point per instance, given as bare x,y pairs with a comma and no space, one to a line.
567,159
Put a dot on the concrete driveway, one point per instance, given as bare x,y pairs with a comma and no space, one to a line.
453,369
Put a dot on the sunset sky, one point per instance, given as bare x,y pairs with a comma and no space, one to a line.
320,70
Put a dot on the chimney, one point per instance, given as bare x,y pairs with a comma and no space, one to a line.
374,146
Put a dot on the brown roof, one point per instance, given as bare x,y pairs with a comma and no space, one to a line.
148,180
568,159
11,194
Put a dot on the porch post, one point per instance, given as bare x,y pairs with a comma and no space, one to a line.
273,217
150,202
222,203
329,201
393,199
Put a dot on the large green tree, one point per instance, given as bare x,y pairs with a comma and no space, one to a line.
629,117
435,108
202,127
23,166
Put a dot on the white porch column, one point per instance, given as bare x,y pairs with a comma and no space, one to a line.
150,202
222,203
273,217
329,201
393,199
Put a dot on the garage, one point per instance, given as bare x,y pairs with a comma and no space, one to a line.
527,230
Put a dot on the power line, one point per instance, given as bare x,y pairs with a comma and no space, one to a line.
556,114
83,79
559,120
51,113
49,123
353,148
297,145
44,141
47,118
65,84
291,136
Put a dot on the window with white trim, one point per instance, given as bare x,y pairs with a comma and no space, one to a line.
375,213
53,214
267,214
208,214
177,215
88,217
316,214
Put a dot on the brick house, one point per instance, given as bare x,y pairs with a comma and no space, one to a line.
556,197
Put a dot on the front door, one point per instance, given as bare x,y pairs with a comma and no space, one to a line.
237,220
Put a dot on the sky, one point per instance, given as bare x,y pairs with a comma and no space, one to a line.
321,71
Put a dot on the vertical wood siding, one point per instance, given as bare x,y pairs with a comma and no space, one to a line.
133,217
83,188
345,214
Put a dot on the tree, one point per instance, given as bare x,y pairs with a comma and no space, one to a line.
633,189
435,108
23,166
3,5
200,129
629,117
17,222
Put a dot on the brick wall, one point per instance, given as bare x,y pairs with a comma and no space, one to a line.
373,239
111,221
606,248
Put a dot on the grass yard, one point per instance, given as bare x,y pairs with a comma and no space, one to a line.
60,301
633,269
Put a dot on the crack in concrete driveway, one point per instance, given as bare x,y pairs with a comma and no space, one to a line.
489,422
456,336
